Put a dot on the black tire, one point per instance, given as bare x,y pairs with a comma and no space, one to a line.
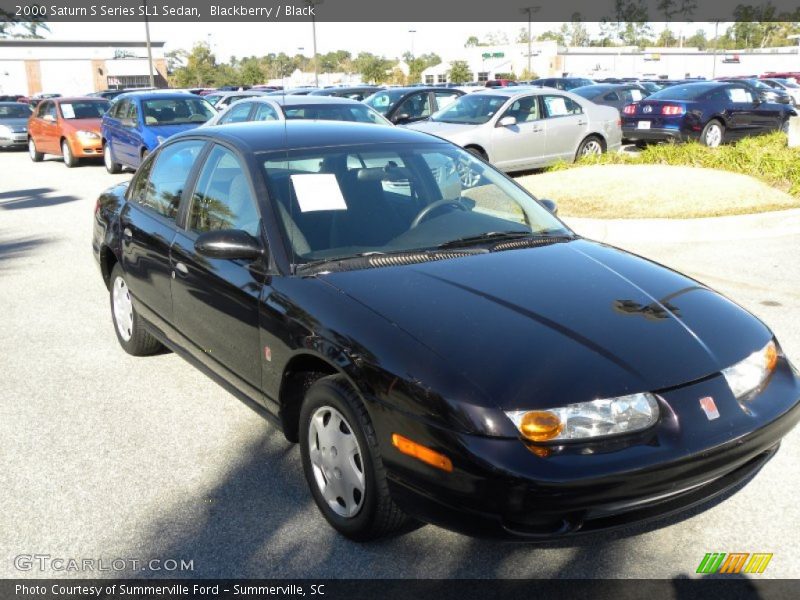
591,145
785,126
477,152
108,160
708,131
641,144
140,342
69,158
378,515
35,155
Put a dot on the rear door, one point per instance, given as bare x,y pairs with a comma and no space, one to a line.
129,136
112,127
565,126
215,301
148,225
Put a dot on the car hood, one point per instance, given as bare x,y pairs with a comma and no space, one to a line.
563,323
83,124
445,130
17,124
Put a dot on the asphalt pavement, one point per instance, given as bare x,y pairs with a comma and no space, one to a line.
106,456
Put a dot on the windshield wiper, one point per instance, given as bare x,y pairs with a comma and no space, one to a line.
490,236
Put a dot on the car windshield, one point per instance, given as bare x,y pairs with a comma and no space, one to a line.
176,111
789,83
342,202
89,109
14,110
472,109
335,112
689,91
384,100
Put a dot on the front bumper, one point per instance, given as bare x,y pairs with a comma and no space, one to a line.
500,488
86,148
16,141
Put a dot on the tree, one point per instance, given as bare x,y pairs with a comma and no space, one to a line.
373,69
12,27
471,42
522,36
459,72
666,38
200,69
698,40
555,36
250,71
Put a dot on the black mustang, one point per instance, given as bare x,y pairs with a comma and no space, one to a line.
440,344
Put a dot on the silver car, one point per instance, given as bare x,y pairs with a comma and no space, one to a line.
279,108
14,124
525,128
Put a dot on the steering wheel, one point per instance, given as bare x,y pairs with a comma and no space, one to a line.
425,212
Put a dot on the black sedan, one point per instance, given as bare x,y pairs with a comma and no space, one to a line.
409,104
449,353
353,93
609,94
711,112
761,90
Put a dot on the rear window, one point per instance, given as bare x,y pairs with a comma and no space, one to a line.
689,91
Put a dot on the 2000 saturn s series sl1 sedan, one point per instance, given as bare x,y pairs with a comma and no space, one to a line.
446,352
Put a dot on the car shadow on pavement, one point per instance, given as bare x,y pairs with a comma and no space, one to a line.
18,248
259,521
32,198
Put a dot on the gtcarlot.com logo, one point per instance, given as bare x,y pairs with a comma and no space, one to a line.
47,562
734,563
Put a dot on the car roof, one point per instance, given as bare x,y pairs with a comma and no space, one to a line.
266,136
308,100
518,91
606,87
79,99
156,95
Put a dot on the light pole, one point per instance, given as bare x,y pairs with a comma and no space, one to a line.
312,4
149,50
529,10
714,55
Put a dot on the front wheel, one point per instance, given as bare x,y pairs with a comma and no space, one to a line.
713,134
111,166
35,155
131,334
785,126
69,158
342,463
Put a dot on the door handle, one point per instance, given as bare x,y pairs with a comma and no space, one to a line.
581,122
181,268
127,234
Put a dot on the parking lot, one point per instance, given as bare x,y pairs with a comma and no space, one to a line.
108,456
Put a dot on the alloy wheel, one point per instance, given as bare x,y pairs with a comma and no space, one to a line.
592,147
336,461
713,136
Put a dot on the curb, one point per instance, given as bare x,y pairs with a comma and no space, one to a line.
751,226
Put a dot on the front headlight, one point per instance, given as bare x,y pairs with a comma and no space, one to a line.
586,420
747,375
5,131
87,135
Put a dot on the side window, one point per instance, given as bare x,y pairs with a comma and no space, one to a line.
415,106
739,94
524,110
444,99
164,185
265,112
560,106
138,184
612,96
237,114
48,110
120,109
40,110
222,198
133,113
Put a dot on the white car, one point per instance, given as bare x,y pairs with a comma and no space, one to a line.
524,128
279,108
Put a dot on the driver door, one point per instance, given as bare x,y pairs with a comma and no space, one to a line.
521,145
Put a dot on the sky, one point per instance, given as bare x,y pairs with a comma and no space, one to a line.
247,39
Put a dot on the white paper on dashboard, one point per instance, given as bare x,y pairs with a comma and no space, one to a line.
68,111
318,191
739,95
557,107
636,95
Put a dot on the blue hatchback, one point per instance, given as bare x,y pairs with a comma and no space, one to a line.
139,121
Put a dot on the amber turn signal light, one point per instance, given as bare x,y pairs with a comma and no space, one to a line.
540,425
771,356
420,452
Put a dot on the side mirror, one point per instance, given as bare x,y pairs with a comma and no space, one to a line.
230,244
550,205
507,122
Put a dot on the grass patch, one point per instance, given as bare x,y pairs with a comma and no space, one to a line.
765,157
757,174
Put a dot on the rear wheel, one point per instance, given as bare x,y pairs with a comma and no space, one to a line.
132,335
342,462
35,155
785,126
478,152
713,134
69,158
591,146
111,166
